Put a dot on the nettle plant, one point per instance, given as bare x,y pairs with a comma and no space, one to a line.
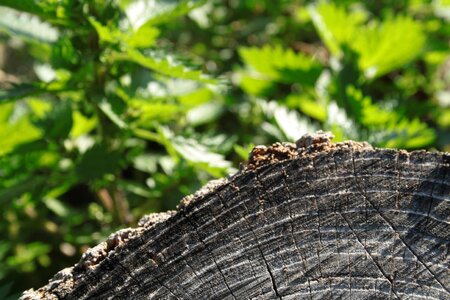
337,89
102,101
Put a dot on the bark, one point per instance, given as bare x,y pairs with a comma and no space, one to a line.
312,220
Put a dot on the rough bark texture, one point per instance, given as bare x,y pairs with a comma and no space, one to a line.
312,220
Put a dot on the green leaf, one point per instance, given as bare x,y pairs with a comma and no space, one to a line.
255,86
146,163
27,27
65,55
16,132
335,26
8,194
164,65
291,123
30,6
144,37
308,106
58,207
105,34
150,112
243,152
205,113
405,134
20,91
197,97
135,188
156,12
81,124
196,153
381,46
98,161
388,128
283,65
58,122
108,109
28,253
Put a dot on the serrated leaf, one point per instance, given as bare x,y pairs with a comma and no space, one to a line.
255,86
25,26
197,154
388,128
153,12
192,151
335,26
164,65
292,124
283,65
381,46
404,135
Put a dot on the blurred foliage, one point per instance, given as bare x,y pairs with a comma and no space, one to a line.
110,109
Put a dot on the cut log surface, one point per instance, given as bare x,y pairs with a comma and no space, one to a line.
311,220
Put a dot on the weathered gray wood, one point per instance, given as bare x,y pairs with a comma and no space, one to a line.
312,221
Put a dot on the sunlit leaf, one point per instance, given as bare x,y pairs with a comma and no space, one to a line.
388,127
108,109
292,124
243,152
152,12
143,37
14,133
146,163
164,65
308,106
381,46
58,207
151,112
282,65
205,113
25,26
81,124
105,33
192,151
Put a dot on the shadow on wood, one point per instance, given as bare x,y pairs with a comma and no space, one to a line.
312,220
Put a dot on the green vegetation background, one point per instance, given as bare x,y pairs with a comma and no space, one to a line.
112,109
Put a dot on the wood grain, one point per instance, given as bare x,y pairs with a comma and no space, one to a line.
336,221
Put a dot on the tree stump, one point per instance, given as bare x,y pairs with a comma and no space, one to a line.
307,221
